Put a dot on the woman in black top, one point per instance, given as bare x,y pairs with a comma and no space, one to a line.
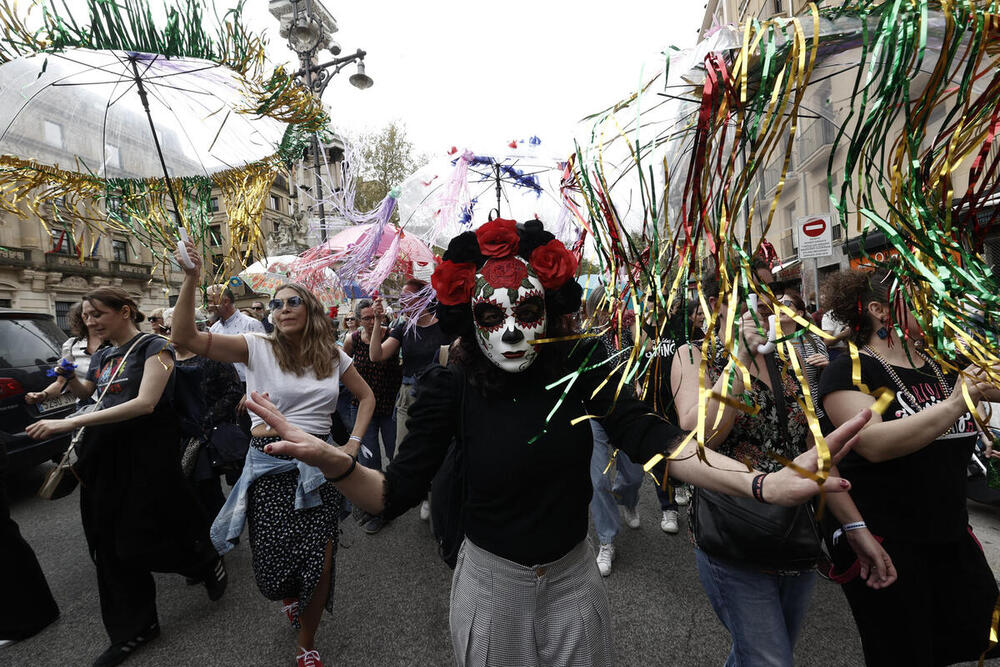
526,589
208,392
139,514
908,473
420,347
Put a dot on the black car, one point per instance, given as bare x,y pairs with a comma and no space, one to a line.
30,344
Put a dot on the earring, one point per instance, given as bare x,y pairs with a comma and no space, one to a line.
882,332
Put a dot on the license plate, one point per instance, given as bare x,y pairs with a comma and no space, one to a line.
60,401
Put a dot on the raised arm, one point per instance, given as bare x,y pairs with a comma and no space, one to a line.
684,376
883,441
378,349
221,347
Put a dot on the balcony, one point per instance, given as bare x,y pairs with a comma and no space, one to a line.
72,264
815,138
128,270
15,257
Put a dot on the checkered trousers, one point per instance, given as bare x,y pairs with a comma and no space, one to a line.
505,614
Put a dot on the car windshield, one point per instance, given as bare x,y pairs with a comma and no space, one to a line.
28,342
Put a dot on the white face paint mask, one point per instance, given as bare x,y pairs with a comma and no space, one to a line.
508,306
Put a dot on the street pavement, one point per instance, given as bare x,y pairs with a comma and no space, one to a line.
391,601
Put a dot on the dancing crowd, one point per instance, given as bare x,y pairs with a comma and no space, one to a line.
505,408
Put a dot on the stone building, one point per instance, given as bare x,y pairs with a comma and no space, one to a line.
806,188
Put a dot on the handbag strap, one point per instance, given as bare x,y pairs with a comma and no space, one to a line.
778,391
97,405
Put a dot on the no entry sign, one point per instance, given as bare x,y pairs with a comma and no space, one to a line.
815,236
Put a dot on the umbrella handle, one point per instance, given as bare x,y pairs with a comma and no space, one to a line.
182,249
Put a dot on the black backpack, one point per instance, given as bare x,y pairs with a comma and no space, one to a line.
449,490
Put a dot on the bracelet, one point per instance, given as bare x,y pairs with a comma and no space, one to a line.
354,437
350,469
757,487
209,346
857,525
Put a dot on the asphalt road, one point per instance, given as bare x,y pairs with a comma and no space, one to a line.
391,601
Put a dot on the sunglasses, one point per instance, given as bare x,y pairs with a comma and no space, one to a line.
156,319
260,307
292,301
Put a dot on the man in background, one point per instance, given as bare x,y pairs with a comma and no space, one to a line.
232,321
261,313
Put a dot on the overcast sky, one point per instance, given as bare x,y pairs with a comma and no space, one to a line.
478,74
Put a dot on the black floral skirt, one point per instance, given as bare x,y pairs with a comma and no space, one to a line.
287,544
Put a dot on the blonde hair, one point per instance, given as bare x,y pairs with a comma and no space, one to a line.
317,348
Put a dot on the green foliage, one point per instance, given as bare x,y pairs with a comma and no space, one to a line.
385,158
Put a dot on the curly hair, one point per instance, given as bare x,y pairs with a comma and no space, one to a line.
317,348
848,293
75,320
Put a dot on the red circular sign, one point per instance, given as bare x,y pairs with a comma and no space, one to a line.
814,228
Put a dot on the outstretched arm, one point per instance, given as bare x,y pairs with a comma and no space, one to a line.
221,347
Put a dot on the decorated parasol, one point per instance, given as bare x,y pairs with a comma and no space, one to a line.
267,275
128,126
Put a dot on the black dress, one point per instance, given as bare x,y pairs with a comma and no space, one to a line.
26,605
939,610
139,514
528,470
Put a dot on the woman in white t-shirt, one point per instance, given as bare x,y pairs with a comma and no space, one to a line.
293,514
76,351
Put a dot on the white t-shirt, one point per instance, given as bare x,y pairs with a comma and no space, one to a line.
832,325
305,401
238,323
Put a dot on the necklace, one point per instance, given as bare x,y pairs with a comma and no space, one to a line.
945,385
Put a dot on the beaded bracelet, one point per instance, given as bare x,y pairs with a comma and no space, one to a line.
350,469
757,487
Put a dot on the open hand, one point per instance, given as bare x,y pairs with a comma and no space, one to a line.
787,487
297,443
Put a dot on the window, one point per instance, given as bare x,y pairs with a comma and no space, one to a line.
214,204
218,264
779,7
5,303
836,230
275,203
112,156
119,250
52,133
62,310
114,204
30,341
215,234
275,226
62,242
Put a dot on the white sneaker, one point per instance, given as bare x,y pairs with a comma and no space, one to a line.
605,555
682,496
425,510
631,517
669,522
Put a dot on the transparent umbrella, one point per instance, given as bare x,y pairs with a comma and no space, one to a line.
151,118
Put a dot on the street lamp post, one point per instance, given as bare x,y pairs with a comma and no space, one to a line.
308,27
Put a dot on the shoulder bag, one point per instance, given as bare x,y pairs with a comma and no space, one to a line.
57,483
448,491
749,532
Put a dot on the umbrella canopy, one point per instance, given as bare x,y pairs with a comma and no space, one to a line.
81,110
458,193
130,125
411,248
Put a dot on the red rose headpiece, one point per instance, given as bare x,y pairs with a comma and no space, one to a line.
454,278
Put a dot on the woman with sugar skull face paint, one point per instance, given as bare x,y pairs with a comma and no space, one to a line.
526,588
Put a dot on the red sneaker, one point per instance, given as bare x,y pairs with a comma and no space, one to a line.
309,659
291,610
